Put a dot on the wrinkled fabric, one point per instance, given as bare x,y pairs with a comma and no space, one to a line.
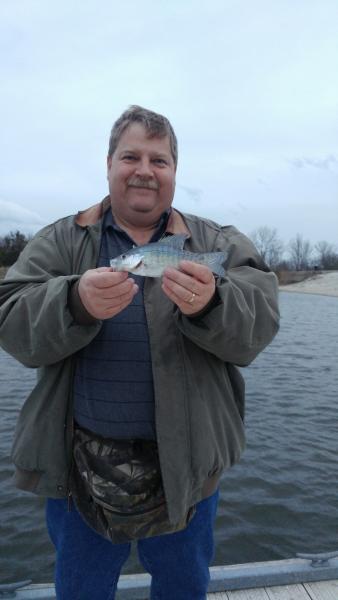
199,391
117,487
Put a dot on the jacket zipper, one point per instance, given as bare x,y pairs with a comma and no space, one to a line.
71,462
96,242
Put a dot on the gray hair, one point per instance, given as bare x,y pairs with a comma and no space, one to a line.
155,124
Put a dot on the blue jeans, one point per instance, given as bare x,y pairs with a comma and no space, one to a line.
88,566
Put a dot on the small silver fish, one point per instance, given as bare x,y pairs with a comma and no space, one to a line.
151,260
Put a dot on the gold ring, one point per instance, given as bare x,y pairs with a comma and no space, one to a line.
191,300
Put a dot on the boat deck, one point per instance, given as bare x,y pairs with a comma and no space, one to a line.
318,590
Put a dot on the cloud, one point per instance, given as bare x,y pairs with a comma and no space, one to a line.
262,182
317,163
13,216
194,194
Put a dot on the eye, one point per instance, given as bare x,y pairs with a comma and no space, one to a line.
160,161
123,256
129,157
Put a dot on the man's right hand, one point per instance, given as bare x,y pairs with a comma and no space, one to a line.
104,292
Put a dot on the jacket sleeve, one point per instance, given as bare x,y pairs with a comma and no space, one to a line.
36,325
245,317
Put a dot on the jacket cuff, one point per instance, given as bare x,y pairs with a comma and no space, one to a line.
80,315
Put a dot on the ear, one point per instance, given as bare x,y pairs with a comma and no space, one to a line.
108,165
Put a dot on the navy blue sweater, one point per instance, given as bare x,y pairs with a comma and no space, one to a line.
113,386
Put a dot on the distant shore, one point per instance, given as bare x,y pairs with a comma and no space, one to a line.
325,284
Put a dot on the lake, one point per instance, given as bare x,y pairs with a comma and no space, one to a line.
282,498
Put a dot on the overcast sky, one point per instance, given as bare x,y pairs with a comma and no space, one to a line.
250,86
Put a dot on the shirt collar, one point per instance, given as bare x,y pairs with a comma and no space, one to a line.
109,221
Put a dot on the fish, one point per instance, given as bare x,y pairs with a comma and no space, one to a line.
151,259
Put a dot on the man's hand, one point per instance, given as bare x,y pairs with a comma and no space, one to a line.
191,288
104,292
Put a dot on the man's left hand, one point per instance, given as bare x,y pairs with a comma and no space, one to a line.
191,287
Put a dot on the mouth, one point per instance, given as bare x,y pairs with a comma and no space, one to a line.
114,263
142,188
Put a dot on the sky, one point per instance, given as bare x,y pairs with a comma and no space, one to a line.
250,87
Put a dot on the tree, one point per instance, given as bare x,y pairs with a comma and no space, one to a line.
300,251
10,247
327,255
269,245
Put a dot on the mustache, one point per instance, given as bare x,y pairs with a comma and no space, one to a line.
142,183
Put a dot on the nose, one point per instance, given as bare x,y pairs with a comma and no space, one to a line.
144,168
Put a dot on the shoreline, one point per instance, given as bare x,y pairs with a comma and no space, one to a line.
323,284
283,288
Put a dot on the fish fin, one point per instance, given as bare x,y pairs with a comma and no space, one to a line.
215,261
176,241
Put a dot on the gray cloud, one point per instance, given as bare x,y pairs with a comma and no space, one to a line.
70,73
13,216
194,194
262,182
317,163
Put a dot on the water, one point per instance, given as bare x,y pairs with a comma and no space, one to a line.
282,498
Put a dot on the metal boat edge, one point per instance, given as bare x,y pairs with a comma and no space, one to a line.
305,568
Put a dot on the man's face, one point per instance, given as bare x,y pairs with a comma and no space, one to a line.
141,176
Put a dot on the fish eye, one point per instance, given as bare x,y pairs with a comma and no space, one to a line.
123,256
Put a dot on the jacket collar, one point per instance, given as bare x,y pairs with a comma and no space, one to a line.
92,215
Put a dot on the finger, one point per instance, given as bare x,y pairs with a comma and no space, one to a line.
108,279
122,299
181,292
173,276
103,269
189,305
185,305
172,295
116,290
111,307
200,272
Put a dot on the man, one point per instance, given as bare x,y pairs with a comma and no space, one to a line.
139,406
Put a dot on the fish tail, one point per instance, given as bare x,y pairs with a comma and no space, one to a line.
215,261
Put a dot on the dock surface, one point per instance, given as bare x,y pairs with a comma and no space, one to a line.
314,590
317,590
307,577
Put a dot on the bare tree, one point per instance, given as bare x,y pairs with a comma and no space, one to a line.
10,247
269,245
300,251
327,255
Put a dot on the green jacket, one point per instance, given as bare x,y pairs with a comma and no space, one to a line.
199,393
